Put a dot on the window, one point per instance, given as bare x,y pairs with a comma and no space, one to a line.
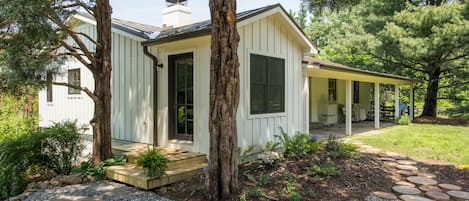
49,87
356,92
332,90
74,79
267,84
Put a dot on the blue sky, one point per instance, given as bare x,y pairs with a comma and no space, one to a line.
149,11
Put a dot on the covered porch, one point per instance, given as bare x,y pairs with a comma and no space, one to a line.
335,89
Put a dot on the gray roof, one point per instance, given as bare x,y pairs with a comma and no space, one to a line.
134,28
340,67
204,27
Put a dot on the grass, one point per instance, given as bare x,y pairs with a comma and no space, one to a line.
427,141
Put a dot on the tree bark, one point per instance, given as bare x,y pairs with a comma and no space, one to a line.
224,98
101,121
429,107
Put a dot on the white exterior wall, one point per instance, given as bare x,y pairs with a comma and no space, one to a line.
319,90
271,36
131,85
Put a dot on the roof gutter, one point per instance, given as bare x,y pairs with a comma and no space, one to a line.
155,92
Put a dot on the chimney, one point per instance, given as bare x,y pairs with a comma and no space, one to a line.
176,13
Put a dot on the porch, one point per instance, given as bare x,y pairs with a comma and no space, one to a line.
337,130
182,165
335,89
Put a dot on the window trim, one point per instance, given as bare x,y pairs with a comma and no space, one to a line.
70,90
247,63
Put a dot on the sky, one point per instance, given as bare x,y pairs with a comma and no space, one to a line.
149,11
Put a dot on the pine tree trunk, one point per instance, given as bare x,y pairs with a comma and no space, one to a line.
429,108
101,122
224,98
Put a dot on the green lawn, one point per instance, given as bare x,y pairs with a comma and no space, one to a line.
438,142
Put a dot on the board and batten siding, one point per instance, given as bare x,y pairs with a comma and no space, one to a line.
131,85
270,36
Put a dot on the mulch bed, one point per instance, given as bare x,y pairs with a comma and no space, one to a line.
359,177
443,121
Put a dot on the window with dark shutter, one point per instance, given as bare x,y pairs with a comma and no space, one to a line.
49,88
332,90
356,92
267,84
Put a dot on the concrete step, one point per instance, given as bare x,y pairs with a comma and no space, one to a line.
136,176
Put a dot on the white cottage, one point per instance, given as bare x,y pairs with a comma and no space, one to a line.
160,81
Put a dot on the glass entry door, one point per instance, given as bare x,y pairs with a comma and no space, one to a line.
181,96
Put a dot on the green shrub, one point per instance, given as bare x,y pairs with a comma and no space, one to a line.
85,168
337,149
271,146
326,169
62,146
154,162
12,122
298,146
404,120
55,148
255,193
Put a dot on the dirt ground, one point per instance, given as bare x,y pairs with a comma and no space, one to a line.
359,177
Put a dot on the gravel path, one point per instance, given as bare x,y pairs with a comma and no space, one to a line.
99,190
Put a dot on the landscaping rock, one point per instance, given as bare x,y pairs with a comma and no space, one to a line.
413,198
460,195
436,195
450,187
42,184
71,180
430,188
385,195
427,175
387,159
407,167
407,172
404,183
422,180
374,198
390,164
407,190
406,162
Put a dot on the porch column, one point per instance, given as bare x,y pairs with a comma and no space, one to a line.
348,107
411,102
377,106
396,104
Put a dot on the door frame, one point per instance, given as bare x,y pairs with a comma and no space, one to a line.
172,102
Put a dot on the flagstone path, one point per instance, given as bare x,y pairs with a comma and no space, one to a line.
413,184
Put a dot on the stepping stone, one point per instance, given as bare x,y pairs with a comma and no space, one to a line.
422,180
387,159
407,167
385,195
437,195
407,190
430,188
413,198
459,195
406,172
374,198
390,164
427,175
406,162
404,183
450,187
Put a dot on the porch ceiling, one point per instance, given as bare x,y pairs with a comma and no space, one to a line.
325,69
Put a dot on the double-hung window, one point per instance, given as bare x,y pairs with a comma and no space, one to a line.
267,84
74,79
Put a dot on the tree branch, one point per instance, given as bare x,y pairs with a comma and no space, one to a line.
86,36
84,89
396,63
76,54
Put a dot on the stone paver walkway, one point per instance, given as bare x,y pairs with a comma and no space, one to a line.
416,185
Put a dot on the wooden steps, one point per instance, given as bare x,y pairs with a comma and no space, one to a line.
182,165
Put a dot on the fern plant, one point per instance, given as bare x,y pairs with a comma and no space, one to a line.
154,162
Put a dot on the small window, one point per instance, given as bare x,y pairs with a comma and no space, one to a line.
49,88
332,90
74,79
267,84
356,92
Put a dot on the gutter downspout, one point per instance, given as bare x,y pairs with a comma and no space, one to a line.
155,93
